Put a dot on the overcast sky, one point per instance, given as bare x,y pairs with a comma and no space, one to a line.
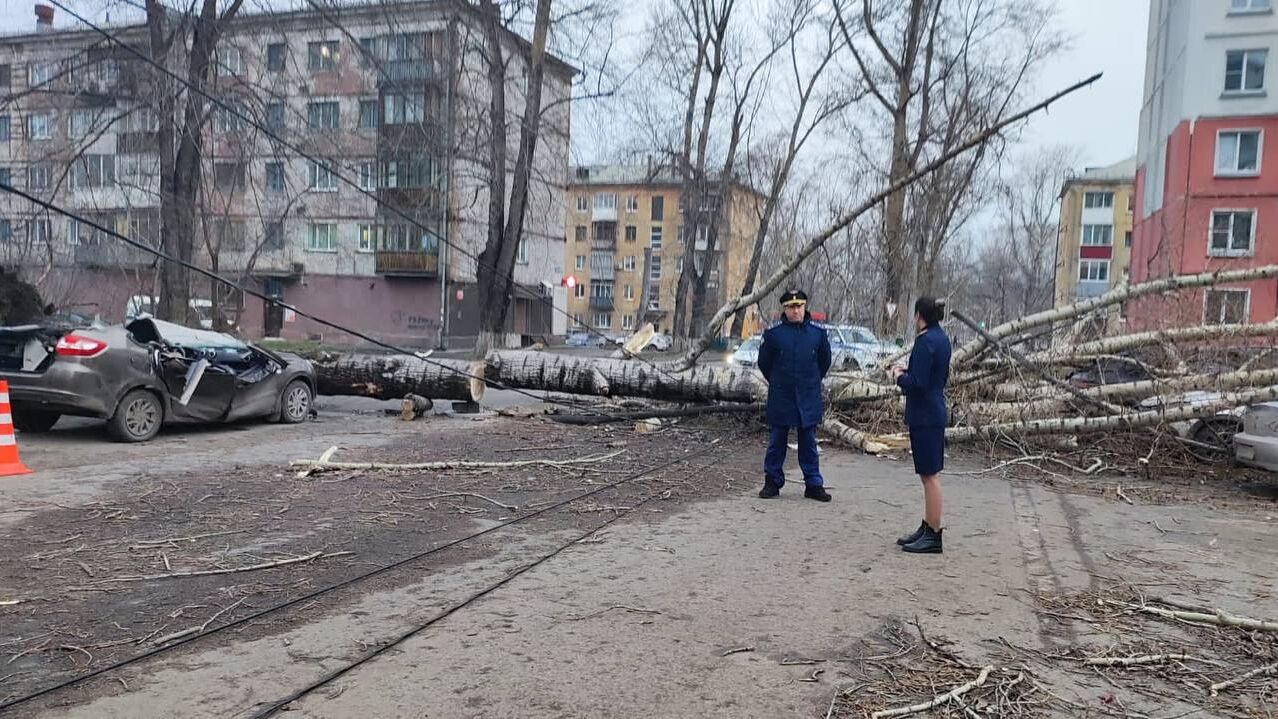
1108,36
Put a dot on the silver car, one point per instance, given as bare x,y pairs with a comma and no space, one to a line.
145,374
1257,444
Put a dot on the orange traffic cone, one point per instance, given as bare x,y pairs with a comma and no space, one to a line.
10,464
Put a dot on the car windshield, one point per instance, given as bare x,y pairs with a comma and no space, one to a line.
152,330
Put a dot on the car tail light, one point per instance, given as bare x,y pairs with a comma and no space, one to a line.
79,346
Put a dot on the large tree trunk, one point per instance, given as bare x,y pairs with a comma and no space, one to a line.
398,377
582,375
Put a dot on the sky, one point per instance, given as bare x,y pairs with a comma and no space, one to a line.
1101,121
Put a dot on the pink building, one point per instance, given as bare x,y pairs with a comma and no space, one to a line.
1207,178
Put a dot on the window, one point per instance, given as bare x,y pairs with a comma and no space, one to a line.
41,73
1232,232
367,238
632,233
1245,70
583,203
579,291
712,281
5,130
1127,238
39,232
228,176
655,240
275,115
6,230
141,119
658,208
368,175
228,235
654,296
1098,235
275,55
1225,307
229,61
581,262
6,75
627,322
632,203
38,176
603,320
1098,199
1244,6
576,320
412,171
321,56
1093,271
39,126
321,237
320,178
6,176
321,115
229,118
605,201
579,234
82,122
629,292
521,253
403,109
1238,152
93,171
367,114
655,271
273,236
275,176
628,263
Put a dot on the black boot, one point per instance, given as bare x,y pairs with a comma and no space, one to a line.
817,493
902,541
928,543
769,490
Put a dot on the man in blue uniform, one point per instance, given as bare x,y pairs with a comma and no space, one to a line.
794,358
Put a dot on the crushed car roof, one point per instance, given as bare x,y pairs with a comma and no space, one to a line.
149,329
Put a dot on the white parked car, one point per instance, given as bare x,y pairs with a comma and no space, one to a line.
660,342
1257,444
747,355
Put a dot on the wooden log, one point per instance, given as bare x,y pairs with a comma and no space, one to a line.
625,378
394,377
414,406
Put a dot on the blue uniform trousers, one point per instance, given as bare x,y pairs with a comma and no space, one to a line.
774,459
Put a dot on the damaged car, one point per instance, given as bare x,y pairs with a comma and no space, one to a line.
146,374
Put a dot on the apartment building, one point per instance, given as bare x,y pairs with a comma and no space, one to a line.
1094,235
1207,166
625,247
362,196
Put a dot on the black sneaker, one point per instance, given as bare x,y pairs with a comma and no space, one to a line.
817,493
902,541
769,491
928,543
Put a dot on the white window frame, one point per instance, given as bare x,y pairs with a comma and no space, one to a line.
1098,195
1246,7
366,237
46,126
581,262
627,322
579,291
365,102
1229,250
368,175
654,296
583,203
1246,304
632,204
230,61
40,230
1239,132
655,238
628,263
603,320
323,63
1089,263
605,201
39,73
1242,88
330,246
654,273
7,123
316,175
319,106
1089,239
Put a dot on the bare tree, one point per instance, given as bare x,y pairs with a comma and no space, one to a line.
1028,201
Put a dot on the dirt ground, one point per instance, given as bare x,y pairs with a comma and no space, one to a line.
699,600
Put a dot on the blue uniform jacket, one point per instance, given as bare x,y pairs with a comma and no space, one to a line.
794,359
924,380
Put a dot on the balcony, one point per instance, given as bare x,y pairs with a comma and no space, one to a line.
601,303
112,255
398,71
406,263
1090,288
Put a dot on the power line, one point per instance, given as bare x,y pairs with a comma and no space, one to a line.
111,39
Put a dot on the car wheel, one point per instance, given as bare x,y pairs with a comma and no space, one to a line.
295,403
1219,434
137,418
34,420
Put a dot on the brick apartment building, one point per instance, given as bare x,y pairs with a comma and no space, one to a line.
396,96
